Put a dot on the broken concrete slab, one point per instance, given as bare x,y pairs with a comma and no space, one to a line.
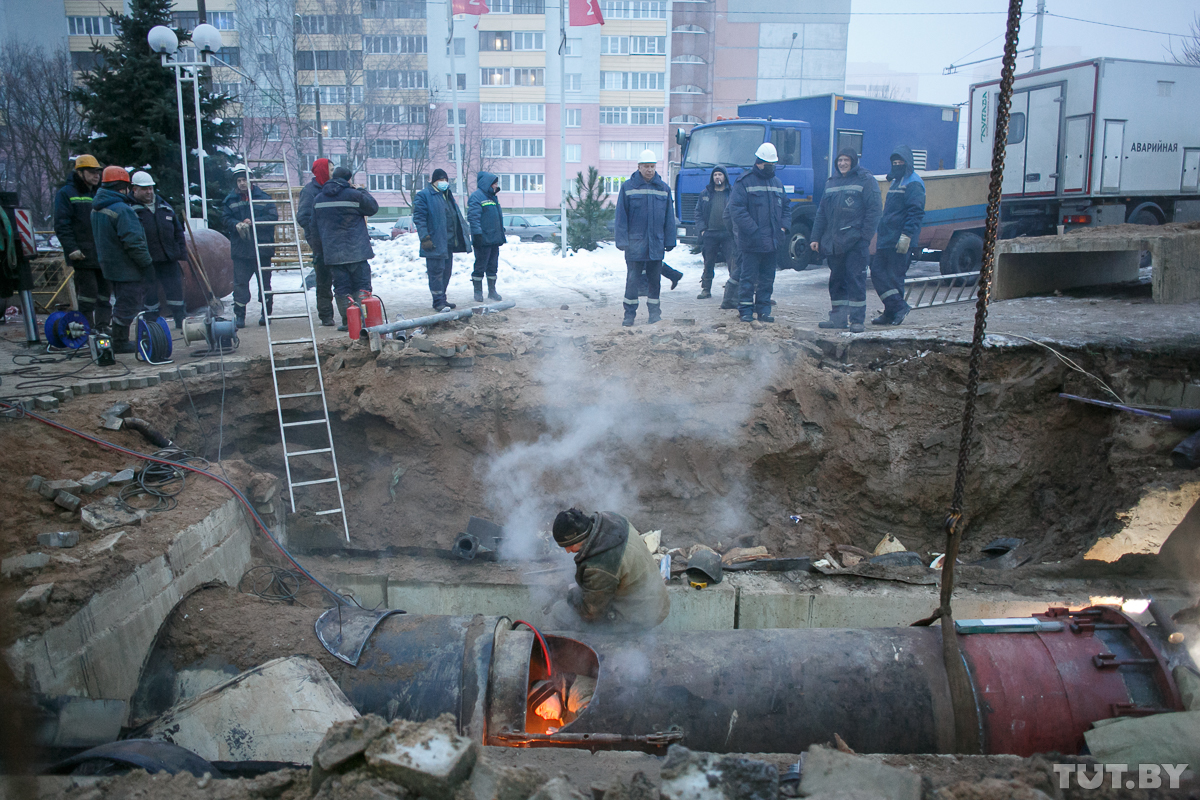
108,513
343,747
427,345
48,489
58,539
94,481
35,599
829,771
19,565
35,483
704,776
67,500
106,545
429,759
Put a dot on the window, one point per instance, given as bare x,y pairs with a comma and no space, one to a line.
528,40
231,90
384,148
460,47
397,79
529,6
414,183
574,81
496,148
574,48
271,130
645,116
495,76
341,129
529,77
1164,88
230,55
495,41
787,146
529,112
85,61
628,151
188,20
574,117
850,107
500,6
313,24
399,115
221,20
395,44
529,148
647,45
331,95
414,148
633,9
393,9
688,58
614,45
574,153
614,115
265,26
267,62
384,183
523,183
462,81
687,88
1016,128
462,117
329,59
612,183
687,119
92,26
495,112
632,81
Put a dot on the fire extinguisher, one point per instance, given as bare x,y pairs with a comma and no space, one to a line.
373,308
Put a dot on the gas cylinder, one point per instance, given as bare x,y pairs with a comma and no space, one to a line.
371,306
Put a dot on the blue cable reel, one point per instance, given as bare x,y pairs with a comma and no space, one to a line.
153,340
67,330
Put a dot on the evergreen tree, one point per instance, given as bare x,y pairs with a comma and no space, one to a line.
128,102
588,213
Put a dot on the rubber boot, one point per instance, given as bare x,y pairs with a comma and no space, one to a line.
103,314
705,291
239,317
179,315
343,303
729,301
478,284
492,294
120,339
839,318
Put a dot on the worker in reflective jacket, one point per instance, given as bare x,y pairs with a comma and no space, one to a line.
645,231
73,226
486,218
899,231
758,210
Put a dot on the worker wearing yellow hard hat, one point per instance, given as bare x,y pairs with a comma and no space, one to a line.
73,226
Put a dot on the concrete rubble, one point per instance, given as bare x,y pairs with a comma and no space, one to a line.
36,599
828,772
109,513
58,539
704,776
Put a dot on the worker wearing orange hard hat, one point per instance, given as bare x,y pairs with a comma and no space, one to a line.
122,251
73,226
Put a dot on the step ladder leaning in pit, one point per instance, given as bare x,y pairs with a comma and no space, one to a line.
309,456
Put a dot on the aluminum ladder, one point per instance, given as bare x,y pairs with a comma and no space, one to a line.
941,290
309,456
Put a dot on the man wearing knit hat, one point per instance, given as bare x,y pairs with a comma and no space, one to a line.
443,232
339,222
617,583
304,209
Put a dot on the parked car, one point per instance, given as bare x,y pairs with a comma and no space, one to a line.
402,226
530,227
375,233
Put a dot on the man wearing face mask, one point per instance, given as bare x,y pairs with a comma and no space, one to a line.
846,219
487,233
443,232
645,232
714,234
899,230
757,208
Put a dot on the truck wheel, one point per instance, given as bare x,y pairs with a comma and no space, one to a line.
799,255
1144,217
964,254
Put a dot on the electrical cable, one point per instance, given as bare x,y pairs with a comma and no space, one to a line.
280,584
158,339
188,468
1064,360
545,650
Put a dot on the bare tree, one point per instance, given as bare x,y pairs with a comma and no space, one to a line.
1189,49
39,120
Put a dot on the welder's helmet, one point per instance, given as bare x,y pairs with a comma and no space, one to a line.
705,565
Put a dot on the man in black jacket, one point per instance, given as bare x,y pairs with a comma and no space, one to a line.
304,209
758,209
842,231
73,226
164,238
242,240
715,236
339,220
899,231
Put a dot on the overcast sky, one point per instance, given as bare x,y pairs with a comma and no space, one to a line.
926,44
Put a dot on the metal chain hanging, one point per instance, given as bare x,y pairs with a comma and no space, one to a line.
966,719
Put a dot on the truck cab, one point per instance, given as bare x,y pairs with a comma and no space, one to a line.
731,144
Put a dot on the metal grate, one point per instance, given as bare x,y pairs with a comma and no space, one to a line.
687,207
942,290
920,158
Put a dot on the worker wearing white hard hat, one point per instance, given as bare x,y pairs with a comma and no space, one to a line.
645,231
758,210
245,237
165,240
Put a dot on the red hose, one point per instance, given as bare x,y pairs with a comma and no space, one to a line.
545,650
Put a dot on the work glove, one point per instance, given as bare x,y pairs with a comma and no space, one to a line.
77,255
243,229
477,240
902,243
427,243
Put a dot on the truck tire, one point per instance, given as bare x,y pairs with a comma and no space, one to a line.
1144,216
800,257
964,254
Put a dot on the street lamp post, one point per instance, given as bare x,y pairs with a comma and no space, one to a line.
316,83
207,39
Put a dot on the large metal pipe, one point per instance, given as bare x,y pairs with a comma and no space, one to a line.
445,316
1037,686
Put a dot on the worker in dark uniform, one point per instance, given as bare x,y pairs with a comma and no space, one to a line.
645,232
73,226
320,174
242,240
757,207
122,252
443,232
164,238
846,220
899,231
715,236
486,216
617,582
339,223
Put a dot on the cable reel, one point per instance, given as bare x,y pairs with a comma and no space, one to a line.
153,340
67,330
220,334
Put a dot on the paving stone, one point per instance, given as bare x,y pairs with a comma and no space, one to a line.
67,500
45,402
187,372
828,770
429,759
107,514
167,375
58,539
120,384
49,489
138,383
94,481
427,345
63,395
461,361
111,423
35,599
19,565
106,545
97,387
121,478
35,483
79,388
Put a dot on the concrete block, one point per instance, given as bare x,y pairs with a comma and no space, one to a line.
62,395
832,771
79,388
35,599
110,423
153,380
167,375
119,384
138,383
461,361
35,483
19,565
97,387
201,367
121,478
106,545
94,481
427,345
58,539
108,513
344,742
429,759
67,500
49,489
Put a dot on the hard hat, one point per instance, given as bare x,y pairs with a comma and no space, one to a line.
113,175
141,178
766,152
86,161
707,563
648,157
240,168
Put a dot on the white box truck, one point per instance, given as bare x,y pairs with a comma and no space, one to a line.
1099,142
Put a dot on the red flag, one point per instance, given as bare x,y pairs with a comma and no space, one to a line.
473,7
586,12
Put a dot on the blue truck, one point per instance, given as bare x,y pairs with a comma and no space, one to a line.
808,132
